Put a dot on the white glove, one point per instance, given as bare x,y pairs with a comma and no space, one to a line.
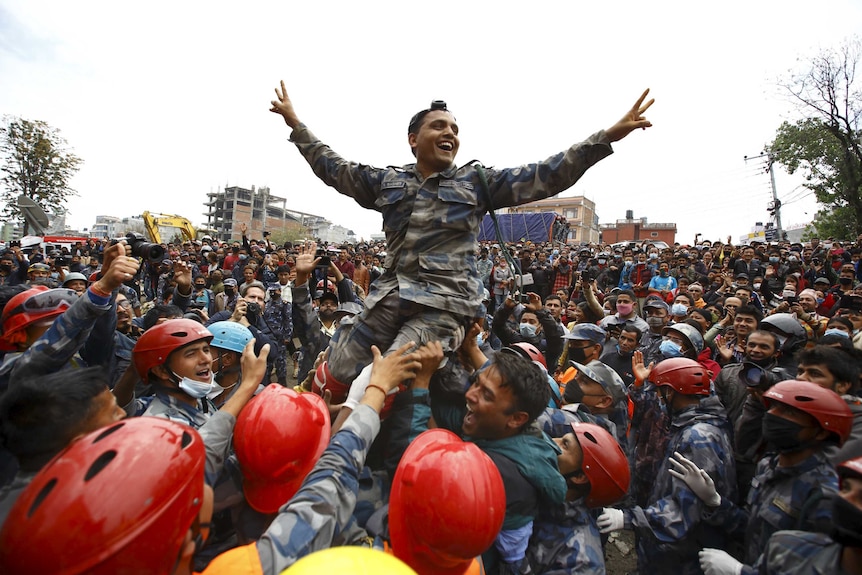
696,478
718,562
610,520
358,387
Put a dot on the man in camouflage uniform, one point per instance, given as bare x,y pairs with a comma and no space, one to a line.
431,214
800,552
670,531
792,488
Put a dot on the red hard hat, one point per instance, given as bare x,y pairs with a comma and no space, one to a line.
681,374
605,464
447,504
824,405
119,500
158,342
851,468
278,438
33,305
530,352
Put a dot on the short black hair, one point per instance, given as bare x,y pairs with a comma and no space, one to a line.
843,365
528,384
752,311
41,414
630,328
160,311
554,296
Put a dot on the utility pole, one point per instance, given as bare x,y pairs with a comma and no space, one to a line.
775,206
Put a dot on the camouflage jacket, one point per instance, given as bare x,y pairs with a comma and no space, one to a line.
566,540
670,531
432,224
798,553
797,497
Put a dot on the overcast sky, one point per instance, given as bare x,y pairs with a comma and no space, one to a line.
166,101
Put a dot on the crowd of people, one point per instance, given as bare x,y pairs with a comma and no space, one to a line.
431,404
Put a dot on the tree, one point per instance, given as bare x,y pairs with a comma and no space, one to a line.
37,163
824,145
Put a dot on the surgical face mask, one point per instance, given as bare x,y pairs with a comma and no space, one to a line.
229,290
670,348
527,329
629,263
625,308
653,256
774,260
756,285
198,389
782,433
788,293
6,267
845,281
836,331
578,354
793,259
574,393
242,257
655,322
846,523
679,309
602,261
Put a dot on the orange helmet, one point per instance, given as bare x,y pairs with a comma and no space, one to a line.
681,374
158,342
824,405
446,505
33,305
119,500
605,464
278,438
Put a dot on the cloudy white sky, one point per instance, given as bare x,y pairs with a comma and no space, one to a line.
166,101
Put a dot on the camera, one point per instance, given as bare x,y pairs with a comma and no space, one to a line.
141,248
61,261
324,259
252,312
792,300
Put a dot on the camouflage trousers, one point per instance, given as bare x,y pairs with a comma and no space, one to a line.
391,323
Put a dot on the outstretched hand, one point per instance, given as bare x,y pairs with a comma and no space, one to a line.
633,119
284,106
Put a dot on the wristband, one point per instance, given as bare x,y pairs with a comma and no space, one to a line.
96,291
374,386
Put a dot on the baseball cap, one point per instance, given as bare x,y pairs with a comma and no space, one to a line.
742,276
587,332
656,303
348,308
229,282
610,380
328,295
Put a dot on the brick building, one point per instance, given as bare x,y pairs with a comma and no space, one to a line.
580,213
631,229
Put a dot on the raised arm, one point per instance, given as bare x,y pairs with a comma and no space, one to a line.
284,107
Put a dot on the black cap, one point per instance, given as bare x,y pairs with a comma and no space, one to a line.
417,118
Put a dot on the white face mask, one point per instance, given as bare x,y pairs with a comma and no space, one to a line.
199,389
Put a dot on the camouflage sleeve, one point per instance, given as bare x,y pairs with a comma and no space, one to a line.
357,181
323,507
566,542
524,184
305,318
217,433
670,520
63,339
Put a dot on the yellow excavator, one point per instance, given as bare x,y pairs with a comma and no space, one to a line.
157,224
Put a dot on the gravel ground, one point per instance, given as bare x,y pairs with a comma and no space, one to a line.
620,555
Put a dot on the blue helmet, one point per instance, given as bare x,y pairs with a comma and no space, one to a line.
229,335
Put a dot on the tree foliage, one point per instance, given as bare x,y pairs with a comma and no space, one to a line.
824,145
38,163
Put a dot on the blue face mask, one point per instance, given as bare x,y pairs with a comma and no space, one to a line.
527,330
836,331
774,260
678,309
669,349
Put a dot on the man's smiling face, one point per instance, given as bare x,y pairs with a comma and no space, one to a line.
436,144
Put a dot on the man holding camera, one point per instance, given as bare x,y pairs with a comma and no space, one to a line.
431,215
269,323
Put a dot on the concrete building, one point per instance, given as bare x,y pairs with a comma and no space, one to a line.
580,213
631,229
114,227
260,210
